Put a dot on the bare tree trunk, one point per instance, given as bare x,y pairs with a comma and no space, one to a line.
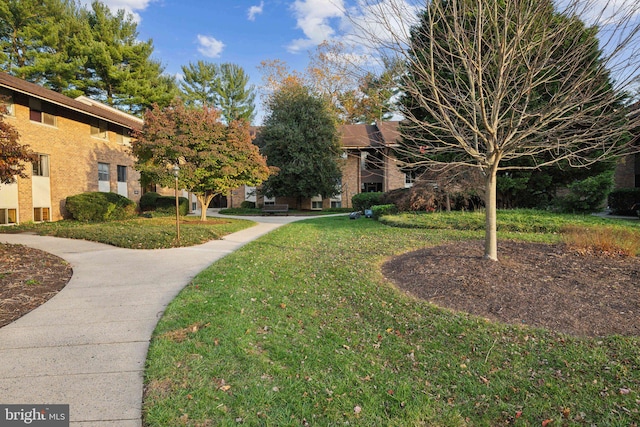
204,200
490,229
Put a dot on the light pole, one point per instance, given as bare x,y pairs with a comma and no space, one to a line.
176,172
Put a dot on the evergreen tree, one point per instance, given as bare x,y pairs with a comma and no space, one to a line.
39,42
300,137
225,87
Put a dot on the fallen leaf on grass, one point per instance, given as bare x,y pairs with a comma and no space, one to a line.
545,423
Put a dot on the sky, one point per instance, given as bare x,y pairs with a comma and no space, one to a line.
244,32
247,32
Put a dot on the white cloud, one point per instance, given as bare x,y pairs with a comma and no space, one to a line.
209,46
314,19
255,10
130,6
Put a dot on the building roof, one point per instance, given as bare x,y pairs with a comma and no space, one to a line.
84,105
368,136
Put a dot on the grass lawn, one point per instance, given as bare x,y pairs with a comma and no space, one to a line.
139,233
300,328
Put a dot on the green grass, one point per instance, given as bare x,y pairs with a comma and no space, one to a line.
138,233
516,220
300,328
258,211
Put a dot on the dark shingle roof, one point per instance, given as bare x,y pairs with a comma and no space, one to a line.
93,110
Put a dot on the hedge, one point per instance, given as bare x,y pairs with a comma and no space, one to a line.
99,206
362,201
148,201
168,204
622,201
380,210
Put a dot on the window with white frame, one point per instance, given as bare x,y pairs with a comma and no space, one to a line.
409,178
122,173
41,112
103,171
8,216
41,214
41,165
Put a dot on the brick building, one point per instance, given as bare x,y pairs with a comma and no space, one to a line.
368,165
82,145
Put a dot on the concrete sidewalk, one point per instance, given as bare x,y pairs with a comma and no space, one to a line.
87,346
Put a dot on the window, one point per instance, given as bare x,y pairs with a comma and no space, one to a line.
38,114
123,137
41,214
372,160
41,165
409,178
336,203
8,216
316,203
6,98
99,129
103,171
122,173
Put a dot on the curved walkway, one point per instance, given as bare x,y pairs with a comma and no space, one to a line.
87,346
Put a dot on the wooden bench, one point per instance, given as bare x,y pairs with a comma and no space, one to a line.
273,209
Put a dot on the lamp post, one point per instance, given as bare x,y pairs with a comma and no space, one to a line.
176,172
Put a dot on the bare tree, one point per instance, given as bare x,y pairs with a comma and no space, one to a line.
490,81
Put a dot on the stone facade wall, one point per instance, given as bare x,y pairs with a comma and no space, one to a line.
73,157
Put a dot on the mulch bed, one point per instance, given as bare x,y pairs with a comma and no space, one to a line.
28,278
540,285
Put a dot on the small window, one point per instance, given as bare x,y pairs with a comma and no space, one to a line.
41,113
316,205
8,216
103,171
41,214
122,173
99,129
41,165
409,178
123,138
336,204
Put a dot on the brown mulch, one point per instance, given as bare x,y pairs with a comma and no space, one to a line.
540,285
28,278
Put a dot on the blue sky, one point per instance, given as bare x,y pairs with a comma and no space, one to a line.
244,32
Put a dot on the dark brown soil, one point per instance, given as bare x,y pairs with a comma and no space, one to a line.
28,278
540,285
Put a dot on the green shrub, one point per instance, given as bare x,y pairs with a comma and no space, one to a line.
381,210
167,204
587,195
362,201
622,201
99,206
148,201
248,205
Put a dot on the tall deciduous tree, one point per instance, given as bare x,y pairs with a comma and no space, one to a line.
225,86
300,137
213,158
14,157
489,82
